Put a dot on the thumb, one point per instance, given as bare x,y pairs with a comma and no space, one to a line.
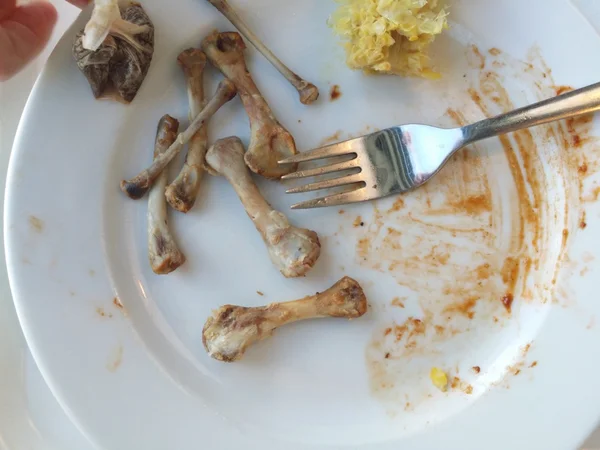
24,31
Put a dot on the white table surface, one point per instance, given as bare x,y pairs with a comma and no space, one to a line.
30,417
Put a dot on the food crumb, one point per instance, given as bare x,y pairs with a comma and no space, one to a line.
455,382
260,293
341,211
469,390
397,302
387,355
583,221
103,313
36,223
439,379
533,364
116,359
117,303
507,301
358,222
476,369
335,93
562,89
591,323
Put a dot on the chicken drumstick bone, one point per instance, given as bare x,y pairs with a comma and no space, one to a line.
182,193
137,187
308,91
232,329
294,251
163,252
269,142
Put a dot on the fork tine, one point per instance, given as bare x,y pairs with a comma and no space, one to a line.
354,196
339,149
335,182
352,164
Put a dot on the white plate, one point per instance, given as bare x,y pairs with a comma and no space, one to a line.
138,377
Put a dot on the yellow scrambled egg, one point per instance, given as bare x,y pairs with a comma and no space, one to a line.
390,36
439,379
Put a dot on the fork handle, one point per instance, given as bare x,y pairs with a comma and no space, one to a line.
573,103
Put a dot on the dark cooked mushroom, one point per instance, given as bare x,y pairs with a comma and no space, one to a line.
114,51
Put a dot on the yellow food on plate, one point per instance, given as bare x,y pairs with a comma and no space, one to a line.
390,36
439,379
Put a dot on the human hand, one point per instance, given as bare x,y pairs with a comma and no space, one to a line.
24,32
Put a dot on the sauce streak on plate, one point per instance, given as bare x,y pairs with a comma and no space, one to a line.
488,234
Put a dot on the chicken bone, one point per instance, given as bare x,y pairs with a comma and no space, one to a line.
183,191
270,142
137,187
163,253
294,251
231,329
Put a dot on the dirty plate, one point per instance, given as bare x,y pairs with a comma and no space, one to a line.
488,273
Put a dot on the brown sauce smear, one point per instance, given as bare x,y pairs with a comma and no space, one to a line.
467,253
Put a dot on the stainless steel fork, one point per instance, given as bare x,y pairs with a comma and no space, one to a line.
402,158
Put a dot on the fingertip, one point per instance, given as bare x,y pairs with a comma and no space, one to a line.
39,17
26,31
49,10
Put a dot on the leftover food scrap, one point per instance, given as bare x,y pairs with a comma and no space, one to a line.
232,329
115,49
439,378
390,36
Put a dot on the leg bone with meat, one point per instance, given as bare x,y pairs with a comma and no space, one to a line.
232,329
270,142
294,251
183,191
